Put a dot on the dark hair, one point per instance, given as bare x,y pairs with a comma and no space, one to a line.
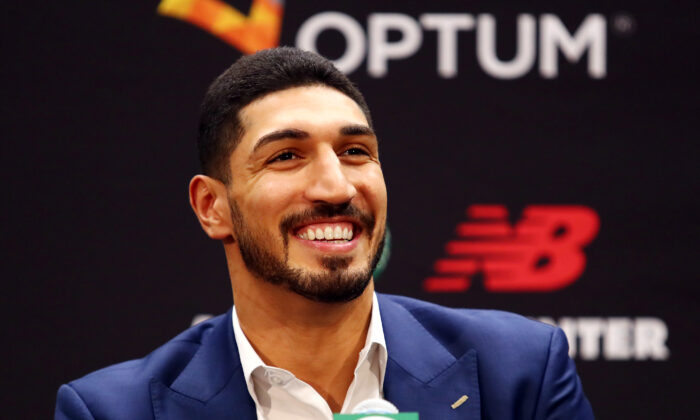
250,78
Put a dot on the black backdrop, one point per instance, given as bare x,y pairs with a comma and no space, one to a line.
103,260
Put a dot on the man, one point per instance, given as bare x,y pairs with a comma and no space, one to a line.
294,190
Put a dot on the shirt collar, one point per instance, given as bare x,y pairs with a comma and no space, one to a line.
250,360
375,339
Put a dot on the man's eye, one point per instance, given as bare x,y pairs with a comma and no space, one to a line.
284,156
355,151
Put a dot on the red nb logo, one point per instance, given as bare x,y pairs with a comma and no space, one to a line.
541,253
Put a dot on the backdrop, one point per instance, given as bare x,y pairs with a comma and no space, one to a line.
538,157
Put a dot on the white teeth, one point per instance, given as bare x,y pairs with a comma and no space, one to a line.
329,233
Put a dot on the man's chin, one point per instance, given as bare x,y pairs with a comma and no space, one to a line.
331,280
332,287
323,265
336,280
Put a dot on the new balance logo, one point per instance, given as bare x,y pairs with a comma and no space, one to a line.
543,252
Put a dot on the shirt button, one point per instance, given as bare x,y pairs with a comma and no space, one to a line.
279,378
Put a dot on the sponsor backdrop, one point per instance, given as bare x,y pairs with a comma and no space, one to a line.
540,158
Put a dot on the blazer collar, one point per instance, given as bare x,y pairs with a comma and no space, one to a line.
422,375
407,340
211,385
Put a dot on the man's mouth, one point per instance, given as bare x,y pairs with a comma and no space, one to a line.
333,232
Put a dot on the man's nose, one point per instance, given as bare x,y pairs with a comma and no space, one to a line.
328,181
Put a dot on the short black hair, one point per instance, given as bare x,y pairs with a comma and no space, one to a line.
250,78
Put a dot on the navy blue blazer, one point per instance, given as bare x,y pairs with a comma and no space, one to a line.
509,367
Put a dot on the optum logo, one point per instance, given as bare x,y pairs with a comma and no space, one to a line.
374,44
539,40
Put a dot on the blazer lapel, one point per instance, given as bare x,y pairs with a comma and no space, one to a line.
421,374
211,386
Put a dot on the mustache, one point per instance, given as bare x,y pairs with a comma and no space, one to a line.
323,210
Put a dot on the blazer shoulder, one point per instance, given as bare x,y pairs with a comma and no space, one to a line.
523,365
487,331
127,384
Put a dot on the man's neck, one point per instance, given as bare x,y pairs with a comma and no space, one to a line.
318,342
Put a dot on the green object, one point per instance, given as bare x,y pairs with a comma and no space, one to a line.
400,416
384,258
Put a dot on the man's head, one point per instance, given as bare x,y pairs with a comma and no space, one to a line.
295,191
250,78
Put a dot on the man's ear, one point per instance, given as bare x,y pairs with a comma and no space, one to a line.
209,201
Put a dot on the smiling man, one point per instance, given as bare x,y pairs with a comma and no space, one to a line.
304,204
293,188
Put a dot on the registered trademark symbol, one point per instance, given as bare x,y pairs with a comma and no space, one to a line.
624,24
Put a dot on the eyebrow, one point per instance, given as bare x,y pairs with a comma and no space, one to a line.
286,133
293,133
356,130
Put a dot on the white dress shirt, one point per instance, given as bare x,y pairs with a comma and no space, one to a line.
279,395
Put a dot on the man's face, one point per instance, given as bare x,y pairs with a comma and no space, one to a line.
307,195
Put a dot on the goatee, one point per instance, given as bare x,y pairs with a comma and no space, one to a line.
335,284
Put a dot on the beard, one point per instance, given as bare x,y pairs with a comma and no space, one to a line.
334,284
